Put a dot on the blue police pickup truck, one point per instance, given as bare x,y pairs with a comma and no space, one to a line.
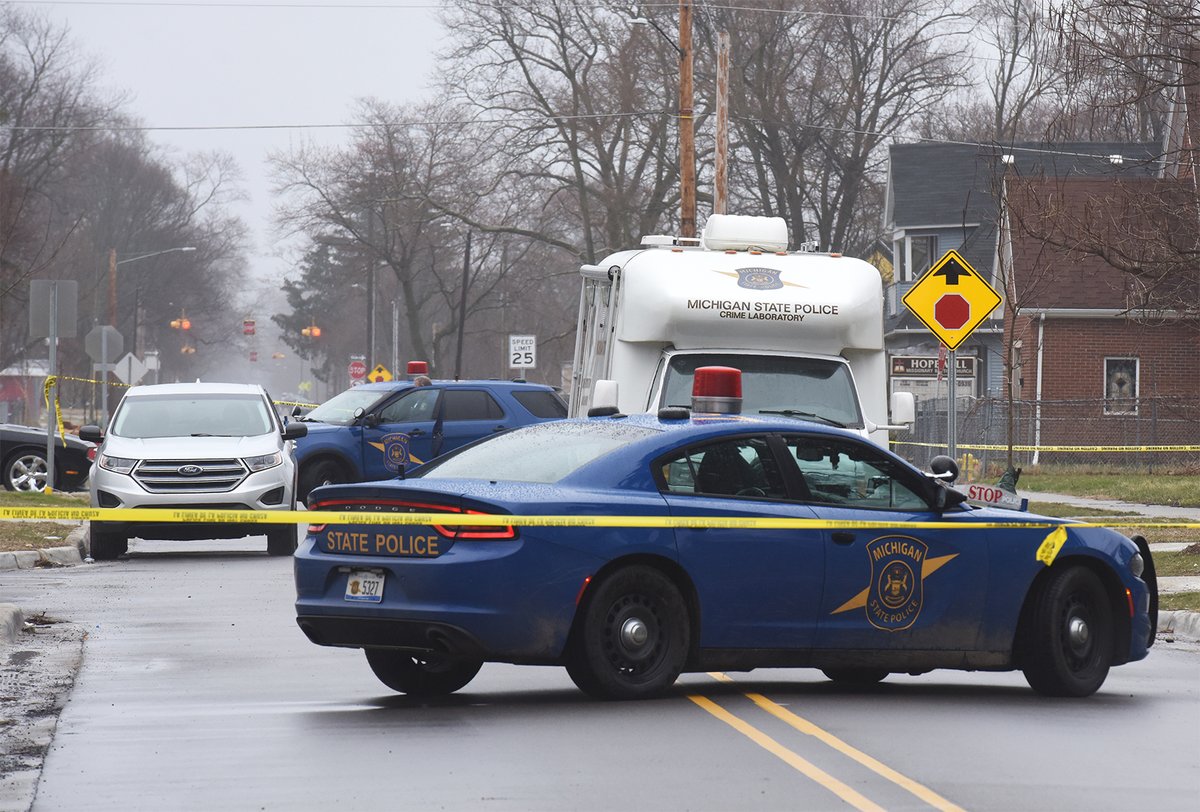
375,430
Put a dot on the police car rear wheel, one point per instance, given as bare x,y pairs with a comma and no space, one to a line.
855,676
421,674
633,636
1069,645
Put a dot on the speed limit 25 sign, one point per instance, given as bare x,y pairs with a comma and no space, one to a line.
522,352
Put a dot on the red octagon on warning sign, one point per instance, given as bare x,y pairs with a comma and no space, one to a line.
952,311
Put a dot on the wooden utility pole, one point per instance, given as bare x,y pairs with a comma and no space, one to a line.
720,190
687,143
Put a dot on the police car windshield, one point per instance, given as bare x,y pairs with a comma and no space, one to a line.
774,384
217,415
545,452
339,409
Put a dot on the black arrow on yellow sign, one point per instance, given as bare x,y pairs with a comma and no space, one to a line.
952,271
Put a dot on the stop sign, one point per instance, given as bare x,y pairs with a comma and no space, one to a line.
357,370
952,311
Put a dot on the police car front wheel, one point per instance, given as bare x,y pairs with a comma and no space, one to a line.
1069,643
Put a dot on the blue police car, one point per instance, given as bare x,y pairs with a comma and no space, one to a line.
376,430
627,608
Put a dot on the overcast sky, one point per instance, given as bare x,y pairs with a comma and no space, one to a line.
242,62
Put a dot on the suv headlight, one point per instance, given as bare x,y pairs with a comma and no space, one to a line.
119,465
264,462
1137,565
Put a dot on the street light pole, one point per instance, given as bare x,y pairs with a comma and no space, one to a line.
687,143
462,308
686,124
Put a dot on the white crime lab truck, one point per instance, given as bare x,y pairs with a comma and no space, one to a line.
805,329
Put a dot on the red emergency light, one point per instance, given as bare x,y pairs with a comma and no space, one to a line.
418,367
717,390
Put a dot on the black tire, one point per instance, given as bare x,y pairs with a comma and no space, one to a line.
631,638
1069,640
25,470
421,675
281,539
318,473
856,677
106,545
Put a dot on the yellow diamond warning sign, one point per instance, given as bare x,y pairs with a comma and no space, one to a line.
379,374
952,299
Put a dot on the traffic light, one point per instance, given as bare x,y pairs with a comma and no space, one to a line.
181,323
188,349
312,331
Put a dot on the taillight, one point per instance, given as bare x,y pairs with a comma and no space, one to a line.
91,454
466,531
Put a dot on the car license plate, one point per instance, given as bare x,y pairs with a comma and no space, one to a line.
364,586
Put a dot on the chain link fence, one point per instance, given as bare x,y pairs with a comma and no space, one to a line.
1152,435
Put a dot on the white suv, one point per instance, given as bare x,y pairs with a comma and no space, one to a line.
214,446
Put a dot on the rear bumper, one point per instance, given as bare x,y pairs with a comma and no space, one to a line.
359,632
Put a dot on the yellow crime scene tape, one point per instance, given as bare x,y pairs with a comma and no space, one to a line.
1105,448
491,520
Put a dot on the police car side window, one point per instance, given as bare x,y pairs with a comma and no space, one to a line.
470,404
839,472
742,467
414,407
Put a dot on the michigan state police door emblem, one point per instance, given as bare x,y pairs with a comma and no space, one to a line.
395,451
896,595
759,278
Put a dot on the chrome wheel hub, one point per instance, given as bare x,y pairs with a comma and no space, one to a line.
1077,632
634,633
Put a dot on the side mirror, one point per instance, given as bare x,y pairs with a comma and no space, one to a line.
93,434
903,408
297,411
294,431
944,468
945,498
370,420
604,393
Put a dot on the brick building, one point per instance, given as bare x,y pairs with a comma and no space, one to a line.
1105,358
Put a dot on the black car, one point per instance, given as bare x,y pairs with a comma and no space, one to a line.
23,454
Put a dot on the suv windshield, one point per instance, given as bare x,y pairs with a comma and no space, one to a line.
177,415
774,383
547,452
339,409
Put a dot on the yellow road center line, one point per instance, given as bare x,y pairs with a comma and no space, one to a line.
808,728
846,793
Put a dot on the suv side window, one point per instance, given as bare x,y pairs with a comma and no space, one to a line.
416,406
542,404
470,404
849,474
742,467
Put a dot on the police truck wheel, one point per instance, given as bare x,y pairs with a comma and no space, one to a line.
1069,642
318,473
281,539
421,675
855,676
26,471
632,636
106,545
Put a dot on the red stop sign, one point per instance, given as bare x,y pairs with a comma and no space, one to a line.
952,311
358,370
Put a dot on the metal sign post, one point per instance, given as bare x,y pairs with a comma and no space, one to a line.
952,406
50,421
52,313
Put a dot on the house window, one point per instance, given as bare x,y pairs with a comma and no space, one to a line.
916,255
1120,386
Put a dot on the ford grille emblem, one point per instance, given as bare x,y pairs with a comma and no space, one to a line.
190,470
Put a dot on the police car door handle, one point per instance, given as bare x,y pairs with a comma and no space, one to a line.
416,432
842,537
500,428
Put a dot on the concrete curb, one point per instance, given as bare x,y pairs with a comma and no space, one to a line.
1180,625
64,556
12,620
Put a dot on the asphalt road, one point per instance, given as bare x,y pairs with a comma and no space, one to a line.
198,691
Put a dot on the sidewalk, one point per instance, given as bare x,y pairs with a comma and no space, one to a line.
1148,511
